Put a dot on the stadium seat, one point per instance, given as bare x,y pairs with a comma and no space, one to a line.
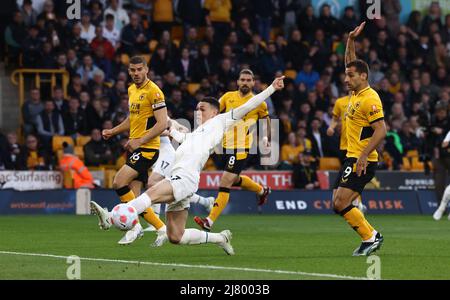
147,57
412,153
82,140
78,151
152,45
125,59
177,33
329,163
58,140
193,87
290,74
406,164
416,165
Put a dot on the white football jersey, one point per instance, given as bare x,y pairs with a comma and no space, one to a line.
194,151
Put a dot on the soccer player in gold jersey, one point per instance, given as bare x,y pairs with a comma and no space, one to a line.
237,143
146,121
339,115
366,129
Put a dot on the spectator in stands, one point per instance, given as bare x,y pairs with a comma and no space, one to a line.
75,121
308,23
87,69
82,178
101,41
162,16
97,151
14,156
305,173
160,62
219,16
29,14
290,152
14,34
31,109
61,104
77,43
87,29
307,76
205,65
318,138
348,20
272,62
110,32
31,46
37,157
264,11
296,50
133,39
120,15
191,42
49,123
184,66
191,14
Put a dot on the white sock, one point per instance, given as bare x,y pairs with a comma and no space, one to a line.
445,199
203,201
210,221
163,229
372,239
156,208
261,192
194,198
194,237
141,203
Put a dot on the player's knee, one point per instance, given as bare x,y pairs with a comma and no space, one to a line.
228,181
174,237
338,204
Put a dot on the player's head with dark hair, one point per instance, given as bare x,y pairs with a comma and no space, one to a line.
246,81
356,75
138,69
207,108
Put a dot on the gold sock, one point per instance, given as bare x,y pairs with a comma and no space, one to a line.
356,220
220,203
125,194
248,184
152,218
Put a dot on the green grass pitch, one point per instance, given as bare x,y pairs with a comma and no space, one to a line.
267,247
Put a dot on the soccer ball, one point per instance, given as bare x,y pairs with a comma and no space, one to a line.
124,216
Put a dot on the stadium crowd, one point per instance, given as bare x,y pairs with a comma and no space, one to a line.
409,69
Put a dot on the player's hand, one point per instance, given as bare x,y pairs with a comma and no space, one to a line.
133,144
107,133
361,165
278,83
357,31
330,131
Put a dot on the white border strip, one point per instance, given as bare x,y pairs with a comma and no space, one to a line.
335,276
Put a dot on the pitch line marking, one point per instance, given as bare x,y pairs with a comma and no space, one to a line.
211,267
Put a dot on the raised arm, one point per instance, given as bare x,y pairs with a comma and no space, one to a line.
239,112
350,53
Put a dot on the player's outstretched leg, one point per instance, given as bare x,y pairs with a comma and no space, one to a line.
442,207
262,192
371,239
104,217
206,202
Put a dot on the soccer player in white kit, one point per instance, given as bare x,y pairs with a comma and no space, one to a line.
162,169
446,197
190,157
